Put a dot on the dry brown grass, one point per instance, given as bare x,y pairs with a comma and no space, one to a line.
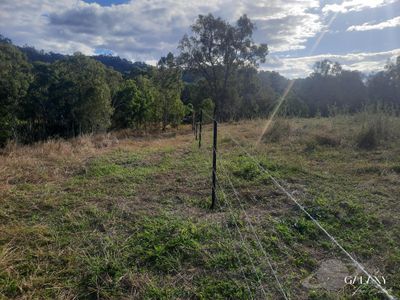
279,130
48,161
341,131
57,159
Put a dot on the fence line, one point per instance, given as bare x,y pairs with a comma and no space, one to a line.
303,209
239,260
241,265
255,234
242,239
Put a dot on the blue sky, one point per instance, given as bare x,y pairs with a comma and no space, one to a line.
360,34
338,40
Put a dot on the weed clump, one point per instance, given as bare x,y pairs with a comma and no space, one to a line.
396,169
324,139
280,129
165,243
310,146
367,139
378,127
321,139
245,168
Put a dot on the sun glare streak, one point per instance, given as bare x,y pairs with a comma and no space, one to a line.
291,83
276,109
321,36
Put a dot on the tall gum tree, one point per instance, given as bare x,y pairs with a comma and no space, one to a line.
216,50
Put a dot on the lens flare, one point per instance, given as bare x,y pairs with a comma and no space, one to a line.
321,36
275,111
291,83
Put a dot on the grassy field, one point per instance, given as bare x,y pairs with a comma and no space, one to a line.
118,216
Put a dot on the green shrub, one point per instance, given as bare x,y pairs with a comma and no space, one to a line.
367,139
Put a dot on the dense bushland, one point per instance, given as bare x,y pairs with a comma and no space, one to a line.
77,95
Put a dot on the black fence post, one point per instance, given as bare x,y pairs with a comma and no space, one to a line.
214,166
195,130
201,126
193,121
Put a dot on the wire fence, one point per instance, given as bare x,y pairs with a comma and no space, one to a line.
227,204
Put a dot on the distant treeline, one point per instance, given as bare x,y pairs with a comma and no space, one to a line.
77,94
121,65
45,95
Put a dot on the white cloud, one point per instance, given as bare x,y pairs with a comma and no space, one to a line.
145,30
379,26
294,67
355,5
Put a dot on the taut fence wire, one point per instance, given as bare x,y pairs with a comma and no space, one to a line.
294,200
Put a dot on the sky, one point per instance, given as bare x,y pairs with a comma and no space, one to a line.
360,34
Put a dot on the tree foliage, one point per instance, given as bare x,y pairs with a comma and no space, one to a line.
82,95
216,49
331,86
326,68
168,79
384,87
76,94
133,107
15,78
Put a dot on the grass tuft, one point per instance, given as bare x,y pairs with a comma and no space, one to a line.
279,130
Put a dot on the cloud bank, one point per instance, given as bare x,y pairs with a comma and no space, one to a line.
145,30
367,62
355,5
379,26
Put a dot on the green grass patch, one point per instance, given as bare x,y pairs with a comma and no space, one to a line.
215,288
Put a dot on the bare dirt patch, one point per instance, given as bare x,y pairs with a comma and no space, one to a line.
329,276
